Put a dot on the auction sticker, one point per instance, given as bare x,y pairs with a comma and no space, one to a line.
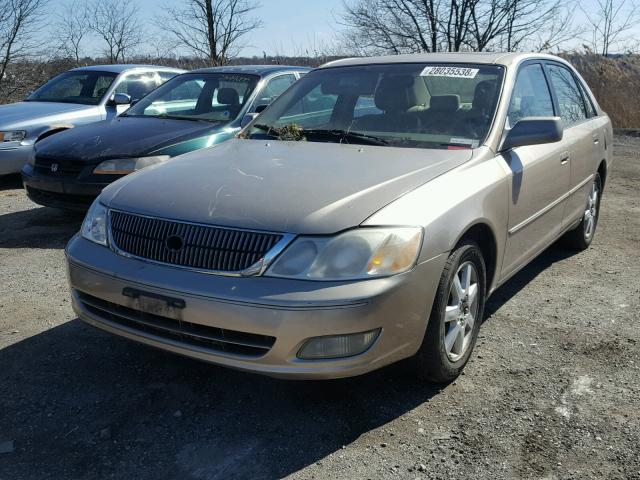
451,72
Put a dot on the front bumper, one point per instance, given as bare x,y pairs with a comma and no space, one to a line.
13,156
287,311
61,191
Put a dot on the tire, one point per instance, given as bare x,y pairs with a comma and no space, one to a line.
581,237
438,360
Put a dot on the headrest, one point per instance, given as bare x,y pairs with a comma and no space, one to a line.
228,96
395,93
444,103
484,93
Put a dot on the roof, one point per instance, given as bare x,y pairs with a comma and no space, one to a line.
496,58
262,70
119,68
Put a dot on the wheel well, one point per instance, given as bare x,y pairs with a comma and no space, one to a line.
602,171
482,234
48,133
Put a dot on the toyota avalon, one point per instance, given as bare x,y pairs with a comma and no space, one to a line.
364,217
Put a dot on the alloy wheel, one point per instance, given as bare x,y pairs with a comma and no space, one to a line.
591,212
461,311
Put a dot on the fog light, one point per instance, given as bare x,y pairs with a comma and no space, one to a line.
336,346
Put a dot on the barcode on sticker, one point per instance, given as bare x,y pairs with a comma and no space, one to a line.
451,72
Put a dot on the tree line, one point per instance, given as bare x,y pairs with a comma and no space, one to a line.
214,32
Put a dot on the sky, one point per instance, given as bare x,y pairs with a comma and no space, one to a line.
289,25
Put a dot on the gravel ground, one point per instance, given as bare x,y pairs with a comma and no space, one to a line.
552,390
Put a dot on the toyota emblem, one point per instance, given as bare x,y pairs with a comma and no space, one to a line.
174,243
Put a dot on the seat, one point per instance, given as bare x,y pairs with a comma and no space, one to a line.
395,95
230,98
441,116
477,119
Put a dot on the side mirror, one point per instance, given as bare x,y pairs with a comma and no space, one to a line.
533,131
261,108
247,119
121,99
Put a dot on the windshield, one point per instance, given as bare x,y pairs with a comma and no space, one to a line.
399,105
212,97
84,87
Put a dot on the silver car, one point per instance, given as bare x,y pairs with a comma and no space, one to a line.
362,219
82,95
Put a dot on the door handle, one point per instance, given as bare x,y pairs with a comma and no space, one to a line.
564,158
596,139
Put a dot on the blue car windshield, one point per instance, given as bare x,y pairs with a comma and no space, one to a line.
414,105
83,87
211,97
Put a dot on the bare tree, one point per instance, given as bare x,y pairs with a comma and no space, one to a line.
610,24
71,27
117,24
211,29
399,26
19,22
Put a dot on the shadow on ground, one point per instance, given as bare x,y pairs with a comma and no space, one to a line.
39,227
80,403
504,293
10,182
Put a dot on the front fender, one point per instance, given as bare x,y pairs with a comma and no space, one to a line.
448,206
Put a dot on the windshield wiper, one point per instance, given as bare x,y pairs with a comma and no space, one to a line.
347,135
178,117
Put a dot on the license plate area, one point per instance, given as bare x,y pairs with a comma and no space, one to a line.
154,303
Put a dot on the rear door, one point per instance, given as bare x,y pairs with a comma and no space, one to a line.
585,141
540,174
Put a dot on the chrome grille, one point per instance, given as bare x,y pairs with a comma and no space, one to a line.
201,247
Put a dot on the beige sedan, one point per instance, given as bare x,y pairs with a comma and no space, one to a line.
363,218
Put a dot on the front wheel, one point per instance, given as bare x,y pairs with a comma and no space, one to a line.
581,237
455,317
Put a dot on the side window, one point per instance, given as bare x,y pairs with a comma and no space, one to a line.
591,109
138,85
366,105
570,101
531,96
275,88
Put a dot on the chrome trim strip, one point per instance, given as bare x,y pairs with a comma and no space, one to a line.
256,269
553,204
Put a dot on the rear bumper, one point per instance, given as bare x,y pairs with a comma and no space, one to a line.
288,311
13,156
60,192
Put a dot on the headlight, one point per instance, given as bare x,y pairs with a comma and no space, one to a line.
94,226
123,166
356,254
16,136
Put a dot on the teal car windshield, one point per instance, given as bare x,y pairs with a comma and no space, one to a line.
83,87
399,105
211,97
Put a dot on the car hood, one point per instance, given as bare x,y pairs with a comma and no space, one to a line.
26,114
122,137
296,187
